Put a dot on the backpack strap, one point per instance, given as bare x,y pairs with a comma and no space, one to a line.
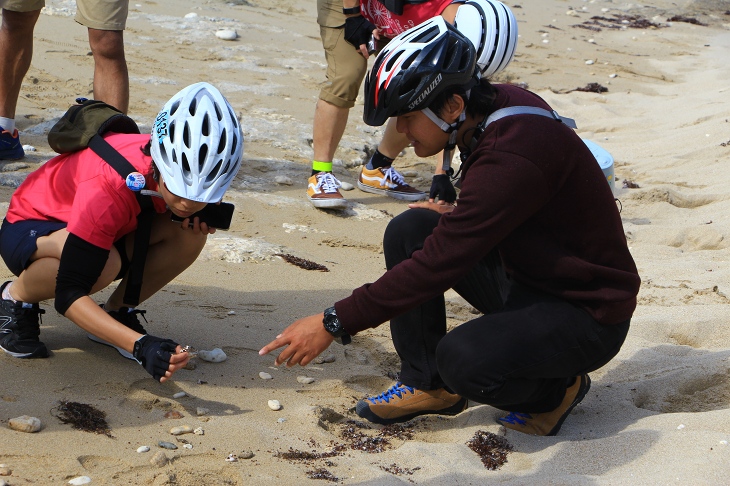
111,156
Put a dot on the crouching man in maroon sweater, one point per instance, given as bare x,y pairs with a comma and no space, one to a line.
534,242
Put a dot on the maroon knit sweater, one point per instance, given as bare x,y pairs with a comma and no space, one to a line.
532,189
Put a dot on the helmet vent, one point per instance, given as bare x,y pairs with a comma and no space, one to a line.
205,129
234,120
172,130
186,135
426,35
234,144
202,155
411,58
213,174
174,107
193,106
185,166
222,142
218,111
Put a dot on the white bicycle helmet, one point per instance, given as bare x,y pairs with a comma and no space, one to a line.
197,143
492,28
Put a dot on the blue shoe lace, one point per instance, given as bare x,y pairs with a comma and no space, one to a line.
516,418
399,389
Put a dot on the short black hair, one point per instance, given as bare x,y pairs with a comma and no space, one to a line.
478,103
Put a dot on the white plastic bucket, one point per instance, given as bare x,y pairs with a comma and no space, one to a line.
605,161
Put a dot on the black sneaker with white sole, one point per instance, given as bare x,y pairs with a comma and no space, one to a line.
20,329
128,317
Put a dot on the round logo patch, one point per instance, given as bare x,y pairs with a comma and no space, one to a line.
135,181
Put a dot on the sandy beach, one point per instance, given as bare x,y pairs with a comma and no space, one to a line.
659,413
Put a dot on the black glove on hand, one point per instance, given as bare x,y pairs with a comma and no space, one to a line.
154,354
358,30
442,188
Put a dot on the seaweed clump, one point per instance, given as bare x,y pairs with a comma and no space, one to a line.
84,417
302,263
491,448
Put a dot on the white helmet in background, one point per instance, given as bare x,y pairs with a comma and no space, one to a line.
492,28
197,143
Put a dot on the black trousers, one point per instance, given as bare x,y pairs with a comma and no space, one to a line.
519,356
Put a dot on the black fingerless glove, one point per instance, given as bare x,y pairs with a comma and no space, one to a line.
442,188
153,353
358,30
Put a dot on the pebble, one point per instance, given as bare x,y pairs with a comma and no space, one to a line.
612,75
226,34
723,442
167,445
5,470
305,380
199,431
283,180
200,411
80,480
179,395
14,166
191,365
232,458
265,376
29,148
142,449
188,446
183,429
24,423
191,15
590,61
281,420
680,426
246,455
173,414
3,483
213,356
325,358
231,313
346,186
159,459
274,405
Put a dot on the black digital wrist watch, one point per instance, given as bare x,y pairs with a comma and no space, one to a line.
333,326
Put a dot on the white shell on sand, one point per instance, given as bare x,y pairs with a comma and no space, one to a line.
274,405
191,15
80,480
265,376
346,186
213,356
29,148
142,449
226,34
182,429
24,423
305,380
232,458
179,395
188,446
199,431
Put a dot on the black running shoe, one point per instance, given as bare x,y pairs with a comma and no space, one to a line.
129,318
20,329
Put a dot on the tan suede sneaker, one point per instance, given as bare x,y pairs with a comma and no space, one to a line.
388,182
323,191
548,423
402,403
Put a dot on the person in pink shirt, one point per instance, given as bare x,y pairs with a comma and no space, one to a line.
69,229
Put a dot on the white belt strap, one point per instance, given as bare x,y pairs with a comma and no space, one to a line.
529,110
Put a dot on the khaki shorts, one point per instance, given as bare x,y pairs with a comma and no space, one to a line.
345,68
22,5
102,14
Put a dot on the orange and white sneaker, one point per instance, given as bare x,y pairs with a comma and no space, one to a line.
388,182
401,403
323,191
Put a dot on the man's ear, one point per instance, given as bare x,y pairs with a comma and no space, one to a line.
453,108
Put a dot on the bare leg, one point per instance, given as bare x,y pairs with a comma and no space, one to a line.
111,78
16,52
393,142
329,126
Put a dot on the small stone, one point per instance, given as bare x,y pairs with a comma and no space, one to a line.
24,423
173,414
5,470
191,15
80,480
179,395
142,449
281,420
231,313
346,186
200,411
191,365
29,148
324,358
590,61
246,455
265,376
159,459
199,431
232,458
723,442
612,75
226,34
188,446
183,429
274,405
14,166
305,380
283,180
213,356
167,445
680,426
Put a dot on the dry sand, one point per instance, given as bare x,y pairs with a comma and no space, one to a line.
657,414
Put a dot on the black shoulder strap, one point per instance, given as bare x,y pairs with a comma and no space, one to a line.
144,219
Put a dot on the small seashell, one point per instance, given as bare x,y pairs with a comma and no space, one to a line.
723,442
200,411
142,449
305,380
179,395
231,313
274,405
232,458
167,445
191,15
24,423
590,61
226,34
80,480
265,376
183,429
199,431
612,75
159,459
188,446
173,414
680,426
346,186
213,356
29,148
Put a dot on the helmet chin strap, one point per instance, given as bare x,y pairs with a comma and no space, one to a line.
451,129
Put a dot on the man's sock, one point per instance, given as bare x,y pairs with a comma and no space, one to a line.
318,167
378,160
6,293
8,124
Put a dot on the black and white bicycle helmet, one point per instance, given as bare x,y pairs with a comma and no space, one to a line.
492,28
415,67
197,143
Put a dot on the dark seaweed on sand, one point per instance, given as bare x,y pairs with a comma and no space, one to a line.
322,473
491,448
82,417
689,20
618,22
591,88
302,263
